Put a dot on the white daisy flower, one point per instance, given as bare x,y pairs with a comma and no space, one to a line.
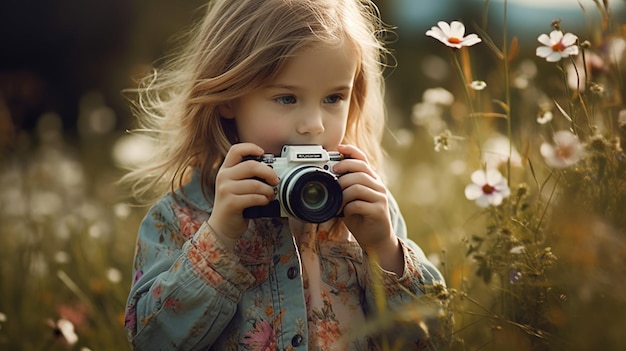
545,117
557,46
453,34
566,151
64,330
487,188
438,96
478,85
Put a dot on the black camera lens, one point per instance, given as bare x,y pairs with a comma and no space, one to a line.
311,194
314,195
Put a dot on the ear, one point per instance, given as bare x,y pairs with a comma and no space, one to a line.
226,110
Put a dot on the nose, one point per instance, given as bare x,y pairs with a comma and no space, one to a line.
311,122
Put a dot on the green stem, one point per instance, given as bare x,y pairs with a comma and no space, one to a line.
568,92
468,96
507,91
459,69
587,86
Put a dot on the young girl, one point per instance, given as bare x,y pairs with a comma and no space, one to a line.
254,76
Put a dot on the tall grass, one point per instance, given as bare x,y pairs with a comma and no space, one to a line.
66,244
539,270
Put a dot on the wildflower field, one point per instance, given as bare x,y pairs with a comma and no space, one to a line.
509,166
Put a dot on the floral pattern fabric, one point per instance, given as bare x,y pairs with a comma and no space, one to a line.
281,288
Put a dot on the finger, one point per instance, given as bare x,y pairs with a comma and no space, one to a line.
237,202
361,178
255,169
347,166
359,192
237,153
364,209
351,151
245,169
246,186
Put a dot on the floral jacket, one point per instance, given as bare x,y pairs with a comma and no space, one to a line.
275,291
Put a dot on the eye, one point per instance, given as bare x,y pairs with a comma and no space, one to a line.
333,99
286,99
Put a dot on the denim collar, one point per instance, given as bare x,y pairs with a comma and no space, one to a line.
193,195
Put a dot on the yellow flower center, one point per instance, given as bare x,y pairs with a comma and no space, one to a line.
453,40
558,47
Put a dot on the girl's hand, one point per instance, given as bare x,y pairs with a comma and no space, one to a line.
236,189
366,208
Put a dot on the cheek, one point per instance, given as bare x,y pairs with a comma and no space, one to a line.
278,127
337,128
264,133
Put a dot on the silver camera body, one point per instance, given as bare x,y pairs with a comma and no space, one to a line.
308,188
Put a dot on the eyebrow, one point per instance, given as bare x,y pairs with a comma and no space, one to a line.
293,87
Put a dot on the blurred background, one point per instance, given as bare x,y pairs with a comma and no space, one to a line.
67,232
56,53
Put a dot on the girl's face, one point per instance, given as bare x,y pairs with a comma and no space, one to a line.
307,103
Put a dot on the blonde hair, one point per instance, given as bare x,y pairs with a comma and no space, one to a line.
238,47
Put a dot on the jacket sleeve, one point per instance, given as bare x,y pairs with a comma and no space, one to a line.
415,259
184,292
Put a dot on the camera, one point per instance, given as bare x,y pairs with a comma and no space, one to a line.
308,189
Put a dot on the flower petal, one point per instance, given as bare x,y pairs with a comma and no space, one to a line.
473,191
569,39
457,29
470,40
565,137
551,157
493,176
495,199
479,177
546,150
544,51
555,36
554,57
555,162
570,51
504,190
438,34
545,40
445,27
483,201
